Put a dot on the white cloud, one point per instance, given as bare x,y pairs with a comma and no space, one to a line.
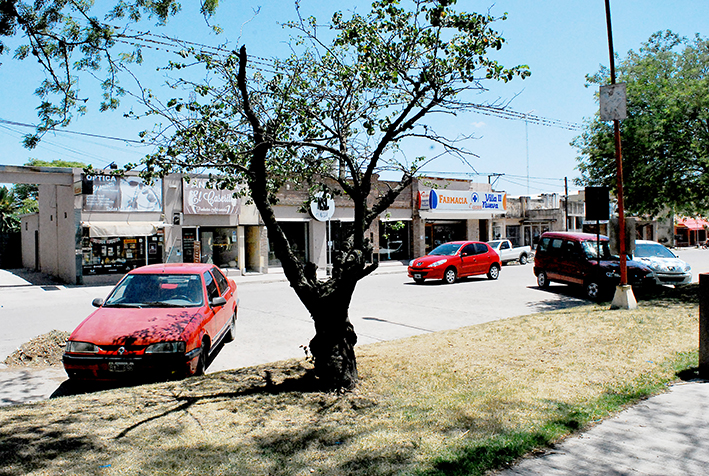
478,125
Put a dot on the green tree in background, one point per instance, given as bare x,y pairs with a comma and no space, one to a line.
665,138
27,194
8,211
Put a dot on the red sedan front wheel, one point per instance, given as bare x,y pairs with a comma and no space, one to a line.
449,276
202,360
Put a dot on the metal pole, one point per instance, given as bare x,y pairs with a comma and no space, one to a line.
703,325
328,266
618,161
526,137
566,201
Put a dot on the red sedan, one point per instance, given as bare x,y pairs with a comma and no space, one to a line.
160,321
454,260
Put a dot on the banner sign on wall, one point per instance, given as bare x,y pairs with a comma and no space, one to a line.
462,201
199,200
127,194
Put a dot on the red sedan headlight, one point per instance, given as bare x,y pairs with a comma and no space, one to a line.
177,347
74,347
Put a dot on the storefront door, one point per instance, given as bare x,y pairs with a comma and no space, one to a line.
439,233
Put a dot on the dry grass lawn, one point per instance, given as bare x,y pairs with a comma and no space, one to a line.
456,402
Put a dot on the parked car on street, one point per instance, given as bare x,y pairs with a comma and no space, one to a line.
508,252
454,260
160,321
666,266
578,258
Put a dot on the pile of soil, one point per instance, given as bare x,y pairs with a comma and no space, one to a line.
42,351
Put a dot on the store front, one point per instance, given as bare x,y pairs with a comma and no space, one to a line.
210,233
533,231
104,253
120,228
456,215
691,231
215,245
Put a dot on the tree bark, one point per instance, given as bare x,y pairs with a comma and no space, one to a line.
333,351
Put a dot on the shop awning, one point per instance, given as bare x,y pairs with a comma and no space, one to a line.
105,229
693,223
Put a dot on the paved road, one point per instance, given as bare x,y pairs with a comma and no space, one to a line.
273,324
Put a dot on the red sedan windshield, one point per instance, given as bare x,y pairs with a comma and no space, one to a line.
157,290
446,249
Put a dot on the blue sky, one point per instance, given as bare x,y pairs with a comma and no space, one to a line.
561,41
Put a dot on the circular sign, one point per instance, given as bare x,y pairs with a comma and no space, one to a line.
322,207
433,200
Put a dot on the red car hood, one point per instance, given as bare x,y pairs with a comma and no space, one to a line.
114,326
428,259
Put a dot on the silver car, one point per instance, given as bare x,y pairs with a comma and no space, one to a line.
666,266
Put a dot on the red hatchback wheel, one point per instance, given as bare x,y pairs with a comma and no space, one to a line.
449,276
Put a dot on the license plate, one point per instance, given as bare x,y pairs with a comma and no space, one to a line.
120,366
417,275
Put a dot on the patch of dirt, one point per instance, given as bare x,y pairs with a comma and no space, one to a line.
43,351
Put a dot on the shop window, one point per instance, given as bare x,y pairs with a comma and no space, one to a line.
297,234
394,241
118,254
496,232
513,234
225,248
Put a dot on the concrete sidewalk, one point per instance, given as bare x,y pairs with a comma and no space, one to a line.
664,435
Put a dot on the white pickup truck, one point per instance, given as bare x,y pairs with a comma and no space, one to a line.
508,253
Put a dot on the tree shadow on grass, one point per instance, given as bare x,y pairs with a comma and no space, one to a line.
265,379
38,443
34,437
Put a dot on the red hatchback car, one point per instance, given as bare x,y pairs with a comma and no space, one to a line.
454,260
160,321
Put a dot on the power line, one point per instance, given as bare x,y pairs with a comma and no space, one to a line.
505,113
87,134
168,43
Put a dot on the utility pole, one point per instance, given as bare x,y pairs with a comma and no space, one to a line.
624,298
566,202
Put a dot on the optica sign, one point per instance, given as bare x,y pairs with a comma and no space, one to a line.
460,200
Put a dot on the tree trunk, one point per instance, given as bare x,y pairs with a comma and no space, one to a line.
333,345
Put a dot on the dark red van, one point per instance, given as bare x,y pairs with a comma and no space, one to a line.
579,258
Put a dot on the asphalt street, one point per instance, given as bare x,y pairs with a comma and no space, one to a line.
273,324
